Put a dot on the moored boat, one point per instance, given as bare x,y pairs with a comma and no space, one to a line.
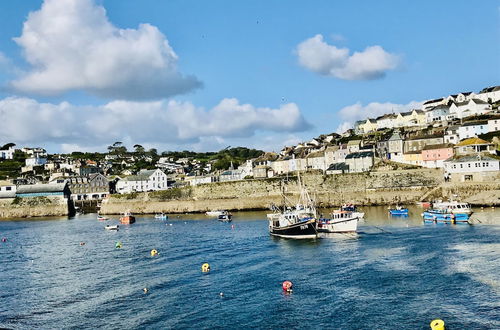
102,218
161,216
109,227
354,209
295,222
453,207
341,222
214,213
398,211
225,217
127,218
440,215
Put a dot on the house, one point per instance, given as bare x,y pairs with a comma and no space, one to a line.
413,158
437,113
145,180
340,154
489,94
353,146
204,179
418,143
387,121
7,189
316,161
262,172
451,134
7,153
472,129
52,190
370,125
433,156
395,147
360,161
35,161
282,165
480,168
230,175
338,168
411,118
383,149
472,107
494,124
473,146
433,103
358,127
92,187
35,152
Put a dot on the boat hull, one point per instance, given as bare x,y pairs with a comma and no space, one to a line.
402,212
127,220
445,217
300,230
338,226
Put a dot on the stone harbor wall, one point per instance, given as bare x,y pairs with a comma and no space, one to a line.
33,207
374,188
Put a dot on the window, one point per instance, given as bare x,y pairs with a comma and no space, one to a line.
467,177
8,188
469,165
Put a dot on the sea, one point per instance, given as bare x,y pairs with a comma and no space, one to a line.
396,273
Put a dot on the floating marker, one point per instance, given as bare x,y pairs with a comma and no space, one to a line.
205,267
118,245
4,240
287,286
437,324
145,290
154,252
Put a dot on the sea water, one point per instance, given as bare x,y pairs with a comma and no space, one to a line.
396,273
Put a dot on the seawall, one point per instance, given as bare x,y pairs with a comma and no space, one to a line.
33,207
373,188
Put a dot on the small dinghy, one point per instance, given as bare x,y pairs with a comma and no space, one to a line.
161,216
109,227
225,217
101,218
399,211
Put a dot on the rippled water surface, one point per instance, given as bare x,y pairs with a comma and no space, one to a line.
397,273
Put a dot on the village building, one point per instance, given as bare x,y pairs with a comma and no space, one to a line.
451,134
145,180
418,143
395,147
360,161
480,168
262,172
7,153
92,187
338,168
370,125
7,189
472,107
412,158
411,118
433,103
494,124
438,113
353,146
433,156
472,129
489,94
316,161
473,146
387,121
194,180
53,190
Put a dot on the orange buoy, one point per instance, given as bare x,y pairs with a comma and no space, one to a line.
287,286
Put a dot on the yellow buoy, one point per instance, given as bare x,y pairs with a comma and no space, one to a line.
154,252
205,267
437,324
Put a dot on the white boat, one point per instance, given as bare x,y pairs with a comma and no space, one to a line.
161,216
215,213
225,217
109,227
295,222
354,209
340,222
453,207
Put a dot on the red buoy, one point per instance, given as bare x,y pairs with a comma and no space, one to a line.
4,240
287,286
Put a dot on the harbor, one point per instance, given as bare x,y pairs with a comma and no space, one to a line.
394,271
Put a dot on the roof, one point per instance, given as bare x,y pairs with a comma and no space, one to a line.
474,123
354,143
316,154
478,101
338,167
434,101
490,89
438,146
471,142
436,136
141,176
362,154
395,136
41,188
472,158
387,116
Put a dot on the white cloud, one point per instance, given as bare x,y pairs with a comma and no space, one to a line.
26,121
344,127
318,56
72,45
358,111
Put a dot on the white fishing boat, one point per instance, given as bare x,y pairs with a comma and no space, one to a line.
161,216
453,207
340,222
214,214
110,227
297,221
225,217
354,209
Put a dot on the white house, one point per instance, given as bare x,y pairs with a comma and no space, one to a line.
472,107
145,180
433,103
387,121
451,135
480,167
7,154
472,129
494,124
35,161
360,161
438,113
7,189
316,161
489,94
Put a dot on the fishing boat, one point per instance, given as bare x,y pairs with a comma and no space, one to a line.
214,213
297,221
354,209
127,218
102,218
440,215
109,227
453,207
341,222
225,217
399,211
161,216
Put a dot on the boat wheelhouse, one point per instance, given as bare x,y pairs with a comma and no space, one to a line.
340,222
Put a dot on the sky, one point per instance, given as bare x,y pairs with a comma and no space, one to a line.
78,75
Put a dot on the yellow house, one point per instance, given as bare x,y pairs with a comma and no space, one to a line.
413,158
370,125
411,118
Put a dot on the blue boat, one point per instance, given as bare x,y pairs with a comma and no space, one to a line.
437,215
399,211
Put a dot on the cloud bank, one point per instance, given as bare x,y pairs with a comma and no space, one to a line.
71,45
372,63
27,121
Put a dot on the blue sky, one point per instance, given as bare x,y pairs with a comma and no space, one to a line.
252,73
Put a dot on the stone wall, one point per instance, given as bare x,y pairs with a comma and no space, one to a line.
33,207
374,188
